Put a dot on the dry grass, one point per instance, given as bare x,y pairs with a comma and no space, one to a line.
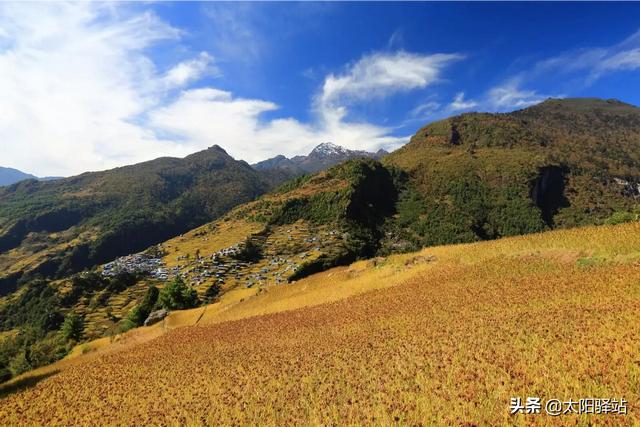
442,337
208,239
39,247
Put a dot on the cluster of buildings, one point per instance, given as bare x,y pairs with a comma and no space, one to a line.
223,267
227,252
278,263
630,188
139,263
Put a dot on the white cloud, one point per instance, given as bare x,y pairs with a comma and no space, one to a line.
586,65
425,109
377,76
583,66
381,74
461,104
509,96
592,64
624,60
191,70
204,117
624,56
73,79
80,92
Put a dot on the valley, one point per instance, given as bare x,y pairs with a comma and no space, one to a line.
58,228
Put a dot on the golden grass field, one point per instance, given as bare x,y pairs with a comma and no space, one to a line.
442,337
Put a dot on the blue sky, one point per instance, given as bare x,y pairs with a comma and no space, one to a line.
89,86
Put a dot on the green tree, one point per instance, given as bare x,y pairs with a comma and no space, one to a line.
47,350
250,251
621,217
177,295
212,292
20,363
72,327
140,313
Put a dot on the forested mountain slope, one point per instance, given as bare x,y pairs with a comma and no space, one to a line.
63,226
560,163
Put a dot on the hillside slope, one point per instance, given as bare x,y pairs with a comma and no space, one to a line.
446,336
60,227
306,225
478,176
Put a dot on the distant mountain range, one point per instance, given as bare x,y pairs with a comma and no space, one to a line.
10,176
62,226
321,157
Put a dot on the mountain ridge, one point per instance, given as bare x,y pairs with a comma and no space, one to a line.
322,156
10,176
58,227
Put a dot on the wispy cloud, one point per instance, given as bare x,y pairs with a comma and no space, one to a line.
191,70
425,109
510,95
593,63
584,66
461,104
396,40
378,76
81,92
381,74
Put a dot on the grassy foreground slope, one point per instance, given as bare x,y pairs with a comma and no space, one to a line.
445,336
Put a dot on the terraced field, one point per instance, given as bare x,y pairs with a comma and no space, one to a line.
446,336
102,320
38,248
284,247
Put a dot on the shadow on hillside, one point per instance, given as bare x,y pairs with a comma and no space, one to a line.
24,383
547,192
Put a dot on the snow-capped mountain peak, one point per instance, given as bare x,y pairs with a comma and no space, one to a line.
328,149
321,157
